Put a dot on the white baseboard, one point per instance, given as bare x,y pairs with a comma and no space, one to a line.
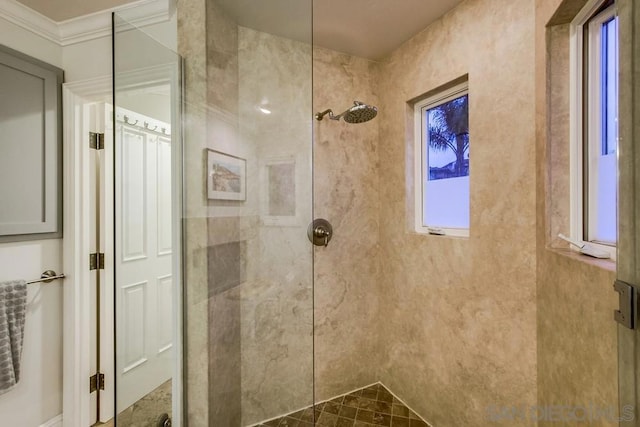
53,422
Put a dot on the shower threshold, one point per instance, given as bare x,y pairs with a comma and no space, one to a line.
370,406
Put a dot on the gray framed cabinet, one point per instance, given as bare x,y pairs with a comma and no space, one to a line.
30,148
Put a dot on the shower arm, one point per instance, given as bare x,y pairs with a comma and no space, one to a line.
351,115
320,116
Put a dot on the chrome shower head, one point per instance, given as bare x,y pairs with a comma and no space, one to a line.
359,113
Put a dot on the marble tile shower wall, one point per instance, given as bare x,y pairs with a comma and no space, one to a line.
347,286
261,304
460,314
448,324
258,324
247,324
575,333
276,300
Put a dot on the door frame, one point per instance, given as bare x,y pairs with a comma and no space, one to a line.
77,219
76,248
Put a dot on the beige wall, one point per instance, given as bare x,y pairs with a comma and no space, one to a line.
249,294
456,327
629,164
348,346
276,304
460,314
265,323
577,345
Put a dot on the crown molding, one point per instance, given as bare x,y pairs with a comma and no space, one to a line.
97,89
27,18
88,27
140,13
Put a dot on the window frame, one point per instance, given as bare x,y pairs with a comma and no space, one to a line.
585,77
421,158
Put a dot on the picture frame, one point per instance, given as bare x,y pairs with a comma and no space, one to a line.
226,176
280,194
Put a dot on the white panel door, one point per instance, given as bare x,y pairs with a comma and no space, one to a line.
144,280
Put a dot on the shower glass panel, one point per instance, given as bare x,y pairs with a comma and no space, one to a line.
248,203
147,163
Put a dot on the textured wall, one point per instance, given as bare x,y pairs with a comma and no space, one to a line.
577,350
455,327
276,302
628,206
249,346
459,314
348,341
227,238
192,48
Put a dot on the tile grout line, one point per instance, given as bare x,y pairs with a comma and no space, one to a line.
313,405
405,404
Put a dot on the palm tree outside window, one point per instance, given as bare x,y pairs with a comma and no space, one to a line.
442,196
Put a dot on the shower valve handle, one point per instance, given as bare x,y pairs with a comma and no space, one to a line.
320,232
323,234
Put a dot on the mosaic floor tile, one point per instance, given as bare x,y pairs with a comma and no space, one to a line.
368,407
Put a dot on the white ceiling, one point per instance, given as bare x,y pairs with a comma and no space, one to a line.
367,28
373,28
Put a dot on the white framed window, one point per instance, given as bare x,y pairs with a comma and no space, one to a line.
442,163
594,126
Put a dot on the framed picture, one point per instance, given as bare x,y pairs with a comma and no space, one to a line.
226,176
279,192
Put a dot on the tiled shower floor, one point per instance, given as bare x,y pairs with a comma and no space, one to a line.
367,407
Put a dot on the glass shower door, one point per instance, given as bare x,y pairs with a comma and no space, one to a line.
248,203
147,240
245,344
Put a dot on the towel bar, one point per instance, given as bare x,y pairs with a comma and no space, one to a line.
47,276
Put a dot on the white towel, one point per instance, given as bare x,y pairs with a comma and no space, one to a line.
13,305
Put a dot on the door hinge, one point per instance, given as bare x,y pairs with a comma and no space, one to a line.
96,261
96,140
626,314
96,382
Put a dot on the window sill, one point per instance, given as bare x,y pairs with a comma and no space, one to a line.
605,264
441,236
